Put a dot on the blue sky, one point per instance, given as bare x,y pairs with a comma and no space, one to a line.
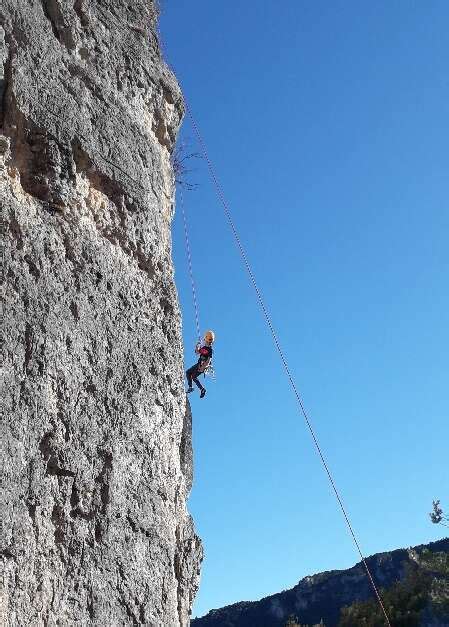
327,123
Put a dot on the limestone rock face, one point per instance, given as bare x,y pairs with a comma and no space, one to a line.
96,445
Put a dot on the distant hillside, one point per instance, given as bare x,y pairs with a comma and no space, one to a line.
322,596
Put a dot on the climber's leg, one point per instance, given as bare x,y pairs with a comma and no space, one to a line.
190,373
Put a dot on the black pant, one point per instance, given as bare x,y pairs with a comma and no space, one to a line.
192,375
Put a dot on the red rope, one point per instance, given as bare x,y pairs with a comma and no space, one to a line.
189,262
267,316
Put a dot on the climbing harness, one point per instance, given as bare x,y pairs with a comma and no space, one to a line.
210,371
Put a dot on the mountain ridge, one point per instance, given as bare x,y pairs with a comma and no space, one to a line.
322,595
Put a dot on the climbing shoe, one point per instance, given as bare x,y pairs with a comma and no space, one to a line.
189,390
203,393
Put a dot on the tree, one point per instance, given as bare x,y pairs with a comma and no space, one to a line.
437,516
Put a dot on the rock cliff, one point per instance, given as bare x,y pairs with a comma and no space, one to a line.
96,451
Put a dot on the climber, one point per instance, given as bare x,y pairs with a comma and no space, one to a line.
205,352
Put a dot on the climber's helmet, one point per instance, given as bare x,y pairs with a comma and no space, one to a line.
209,337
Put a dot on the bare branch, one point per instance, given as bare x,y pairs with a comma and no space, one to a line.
179,160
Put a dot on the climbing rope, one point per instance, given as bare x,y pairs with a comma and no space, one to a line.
222,199
268,320
189,263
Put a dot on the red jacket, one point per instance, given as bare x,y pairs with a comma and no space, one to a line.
205,353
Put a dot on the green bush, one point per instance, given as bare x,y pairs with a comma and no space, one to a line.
426,584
